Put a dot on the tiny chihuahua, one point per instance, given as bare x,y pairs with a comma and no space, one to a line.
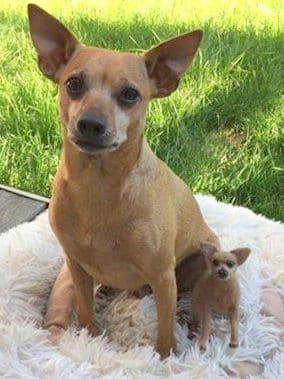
218,290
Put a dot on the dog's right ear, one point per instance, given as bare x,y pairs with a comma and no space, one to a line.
207,250
53,42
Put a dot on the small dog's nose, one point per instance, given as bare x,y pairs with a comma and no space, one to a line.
89,125
222,273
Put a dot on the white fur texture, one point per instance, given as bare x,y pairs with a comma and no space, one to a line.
30,259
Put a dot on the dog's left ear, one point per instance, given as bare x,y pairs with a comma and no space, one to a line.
241,254
168,61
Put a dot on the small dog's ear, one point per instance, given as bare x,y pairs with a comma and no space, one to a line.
241,254
167,61
207,250
53,42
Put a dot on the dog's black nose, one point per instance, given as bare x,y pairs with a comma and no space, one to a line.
90,125
222,273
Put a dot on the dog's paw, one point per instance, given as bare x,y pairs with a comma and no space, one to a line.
202,348
55,334
202,343
166,350
93,330
234,344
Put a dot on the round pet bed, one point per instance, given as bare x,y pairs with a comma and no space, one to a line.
30,258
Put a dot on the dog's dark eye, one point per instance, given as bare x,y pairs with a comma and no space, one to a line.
215,262
129,95
75,86
230,264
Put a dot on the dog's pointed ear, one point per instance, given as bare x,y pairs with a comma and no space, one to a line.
207,250
167,61
241,254
52,40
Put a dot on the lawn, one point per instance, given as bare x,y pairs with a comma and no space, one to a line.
222,131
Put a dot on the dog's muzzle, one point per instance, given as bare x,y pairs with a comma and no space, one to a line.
91,134
222,273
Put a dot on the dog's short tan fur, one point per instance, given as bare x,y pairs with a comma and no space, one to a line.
124,219
218,289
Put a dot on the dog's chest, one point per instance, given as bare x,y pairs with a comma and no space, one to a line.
106,246
223,297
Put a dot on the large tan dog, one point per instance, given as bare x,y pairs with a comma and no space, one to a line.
123,218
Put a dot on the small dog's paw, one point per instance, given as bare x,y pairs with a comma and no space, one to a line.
202,344
55,334
234,344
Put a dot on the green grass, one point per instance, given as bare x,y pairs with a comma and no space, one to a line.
222,131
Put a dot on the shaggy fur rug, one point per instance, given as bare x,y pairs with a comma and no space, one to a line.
29,262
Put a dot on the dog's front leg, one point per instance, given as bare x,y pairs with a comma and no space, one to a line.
84,285
165,294
234,321
205,327
60,305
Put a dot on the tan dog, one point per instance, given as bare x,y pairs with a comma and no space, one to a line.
218,290
123,218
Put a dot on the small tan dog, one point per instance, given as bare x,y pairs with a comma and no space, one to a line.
218,289
123,218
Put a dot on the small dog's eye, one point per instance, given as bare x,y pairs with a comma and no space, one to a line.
230,264
215,262
75,86
129,95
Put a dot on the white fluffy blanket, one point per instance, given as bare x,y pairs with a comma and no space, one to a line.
29,262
